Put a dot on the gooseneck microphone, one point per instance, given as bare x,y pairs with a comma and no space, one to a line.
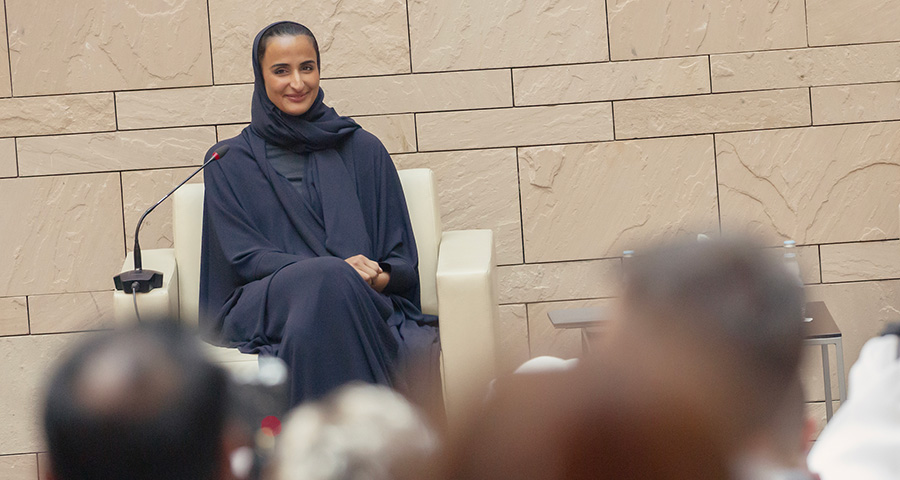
140,280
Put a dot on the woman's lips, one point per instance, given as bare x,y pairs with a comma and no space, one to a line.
296,97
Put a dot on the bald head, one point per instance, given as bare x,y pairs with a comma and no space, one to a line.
139,403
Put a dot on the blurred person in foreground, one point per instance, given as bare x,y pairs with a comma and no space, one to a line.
698,354
359,432
141,403
862,440
778,450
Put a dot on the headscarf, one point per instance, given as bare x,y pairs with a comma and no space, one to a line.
320,128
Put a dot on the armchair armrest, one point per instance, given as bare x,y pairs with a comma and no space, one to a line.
467,309
157,303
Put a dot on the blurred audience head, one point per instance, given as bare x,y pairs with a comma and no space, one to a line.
141,403
360,432
580,424
718,323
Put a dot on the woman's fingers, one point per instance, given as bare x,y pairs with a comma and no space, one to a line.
367,269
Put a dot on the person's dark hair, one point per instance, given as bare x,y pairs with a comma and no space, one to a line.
141,403
286,29
733,300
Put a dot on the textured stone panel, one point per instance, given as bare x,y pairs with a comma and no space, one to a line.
806,67
559,281
8,165
848,262
43,459
19,467
835,22
60,114
61,46
611,81
71,312
861,310
508,127
810,269
396,132
25,364
229,131
5,80
419,93
545,339
183,107
671,28
469,34
477,189
813,185
356,37
724,112
856,103
98,152
13,316
596,200
512,337
65,235
141,190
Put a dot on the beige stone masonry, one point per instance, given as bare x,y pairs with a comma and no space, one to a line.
544,282
141,190
19,467
808,258
183,107
611,81
836,22
27,361
669,28
596,200
545,339
65,46
724,112
813,185
860,310
856,103
458,35
419,93
806,67
509,127
477,189
847,262
58,114
356,37
228,131
512,337
396,132
68,235
99,152
5,80
71,312
8,164
13,316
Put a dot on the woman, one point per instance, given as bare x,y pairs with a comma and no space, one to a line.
307,249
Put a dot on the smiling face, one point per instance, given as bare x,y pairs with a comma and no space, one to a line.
291,73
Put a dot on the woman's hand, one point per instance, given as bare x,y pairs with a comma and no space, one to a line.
369,271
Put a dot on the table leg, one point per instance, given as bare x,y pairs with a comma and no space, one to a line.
842,385
826,373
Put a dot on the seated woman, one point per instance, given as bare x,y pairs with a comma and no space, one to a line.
307,249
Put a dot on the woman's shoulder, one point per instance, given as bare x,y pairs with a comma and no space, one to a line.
237,146
362,138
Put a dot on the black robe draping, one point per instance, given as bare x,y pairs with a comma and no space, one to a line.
273,279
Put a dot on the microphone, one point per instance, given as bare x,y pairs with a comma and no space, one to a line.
140,280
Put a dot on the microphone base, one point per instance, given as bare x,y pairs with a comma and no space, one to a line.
146,280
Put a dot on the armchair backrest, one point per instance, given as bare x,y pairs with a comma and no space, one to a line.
424,214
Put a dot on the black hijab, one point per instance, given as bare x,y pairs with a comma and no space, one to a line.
320,128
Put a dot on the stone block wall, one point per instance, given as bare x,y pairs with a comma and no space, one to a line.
575,129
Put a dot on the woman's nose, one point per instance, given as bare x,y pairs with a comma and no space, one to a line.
296,81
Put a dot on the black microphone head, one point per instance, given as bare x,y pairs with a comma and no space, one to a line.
220,152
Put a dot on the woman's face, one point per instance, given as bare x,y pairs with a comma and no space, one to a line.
290,73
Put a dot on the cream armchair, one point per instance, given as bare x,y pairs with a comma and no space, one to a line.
456,272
